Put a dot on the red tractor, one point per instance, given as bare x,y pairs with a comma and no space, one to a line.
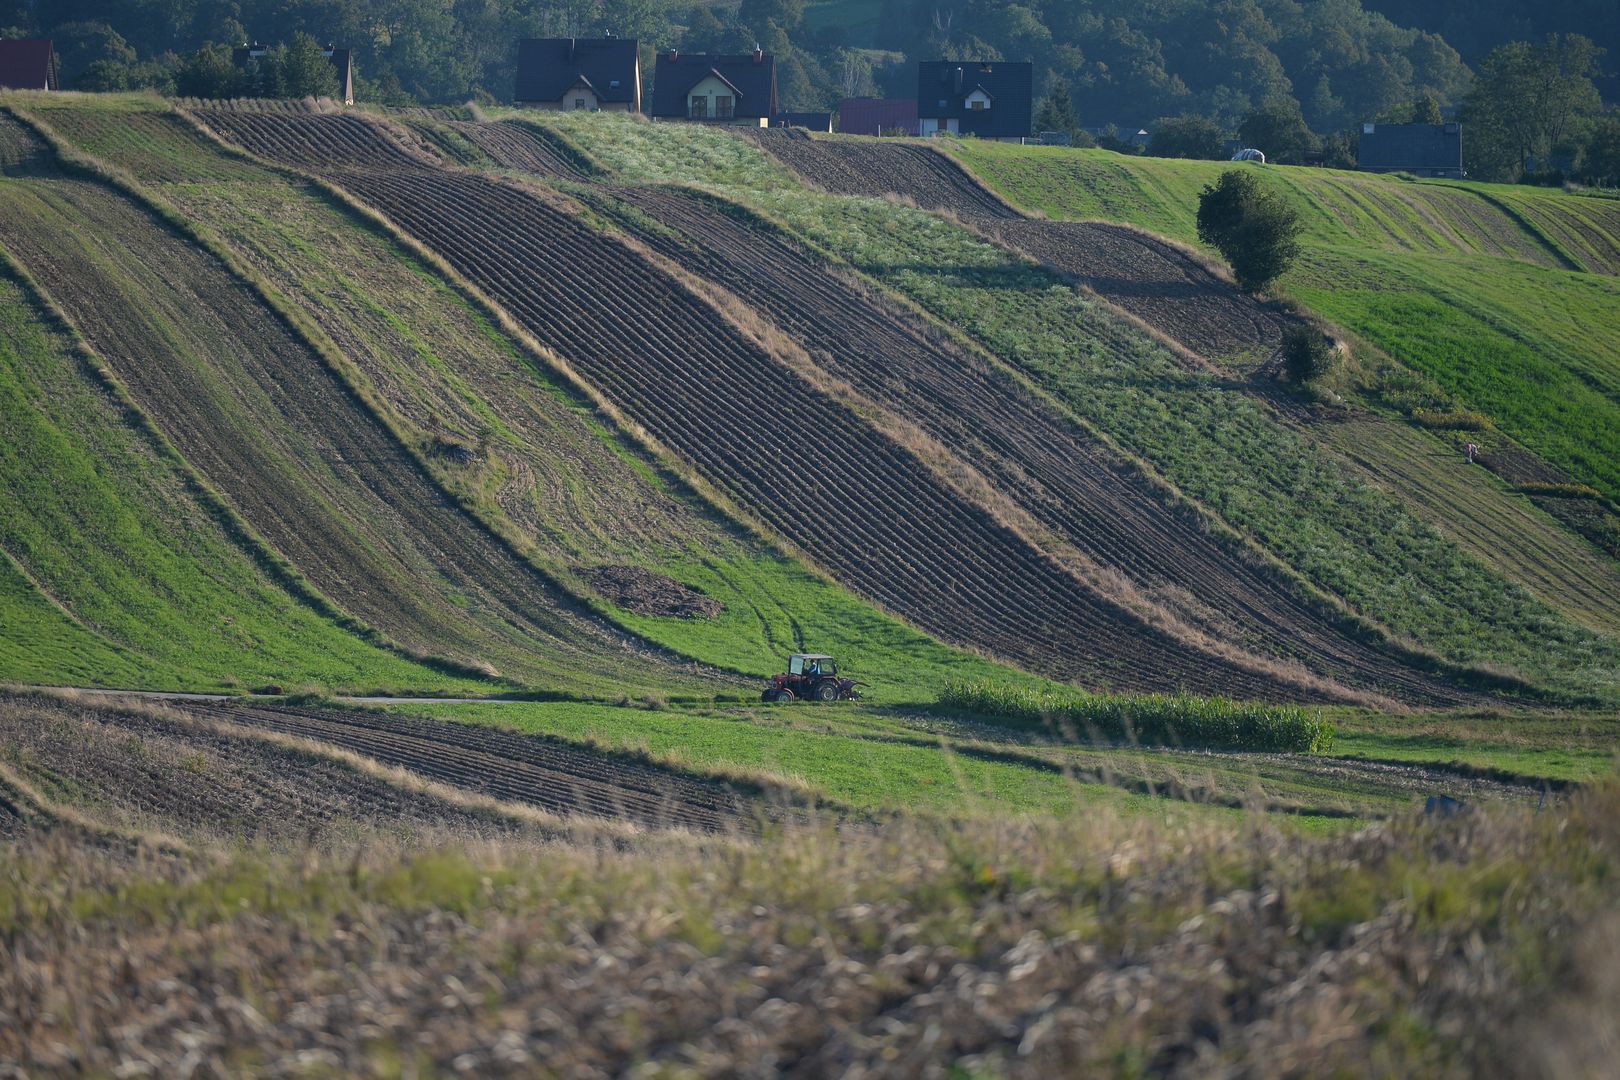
812,677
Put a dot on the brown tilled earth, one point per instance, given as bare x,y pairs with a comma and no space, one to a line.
324,482
1152,279
144,764
703,388
645,592
228,770
1067,479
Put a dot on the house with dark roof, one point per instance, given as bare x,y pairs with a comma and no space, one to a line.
715,89
878,116
342,63
1419,149
990,100
579,74
29,64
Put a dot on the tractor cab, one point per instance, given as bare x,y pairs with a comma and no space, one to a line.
814,664
812,676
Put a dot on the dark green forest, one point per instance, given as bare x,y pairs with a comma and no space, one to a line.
1302,75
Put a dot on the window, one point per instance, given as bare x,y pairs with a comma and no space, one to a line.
579,103
977,105
722,107
699,108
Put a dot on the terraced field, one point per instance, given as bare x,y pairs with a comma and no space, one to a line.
1156,282
196,775
1066,479
560,777
908,541
303,462
1505,297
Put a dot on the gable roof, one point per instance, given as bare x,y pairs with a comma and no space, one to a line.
28,64
943,87
550,67
1405,147
751,75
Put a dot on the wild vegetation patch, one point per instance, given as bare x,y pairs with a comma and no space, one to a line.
1153,719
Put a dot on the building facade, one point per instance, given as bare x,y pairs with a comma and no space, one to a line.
988,100
714,89
1432,150
579,74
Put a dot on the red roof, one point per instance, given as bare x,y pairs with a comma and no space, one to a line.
873,116
28,65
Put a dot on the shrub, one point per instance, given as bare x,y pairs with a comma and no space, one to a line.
1157,719
1254,227
1453,419
1560,491
1308,354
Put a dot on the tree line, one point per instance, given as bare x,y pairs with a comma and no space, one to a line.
1295,80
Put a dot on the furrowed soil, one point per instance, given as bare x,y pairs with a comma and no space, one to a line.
550,774
270,425
748,423
1157,282
150,766
1068,481
509,437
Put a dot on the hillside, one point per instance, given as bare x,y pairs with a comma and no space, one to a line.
1206,723
1045,503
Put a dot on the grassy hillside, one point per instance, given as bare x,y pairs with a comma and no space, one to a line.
117,572
545,470
1208,439
1504,296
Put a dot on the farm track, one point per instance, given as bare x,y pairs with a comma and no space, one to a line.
550,774
697,384
1057,472
1151,279
292,449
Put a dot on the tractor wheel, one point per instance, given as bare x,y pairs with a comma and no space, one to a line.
827,691
768,696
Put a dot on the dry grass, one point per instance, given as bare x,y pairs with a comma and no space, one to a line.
1435,947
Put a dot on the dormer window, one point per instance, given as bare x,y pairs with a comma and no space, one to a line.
614,85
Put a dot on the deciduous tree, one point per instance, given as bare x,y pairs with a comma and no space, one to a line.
1253,226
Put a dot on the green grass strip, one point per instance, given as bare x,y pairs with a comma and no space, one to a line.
1150,719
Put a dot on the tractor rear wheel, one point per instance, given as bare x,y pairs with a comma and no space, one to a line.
827,691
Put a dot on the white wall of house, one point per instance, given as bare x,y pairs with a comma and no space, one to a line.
719,100
928,125
976,101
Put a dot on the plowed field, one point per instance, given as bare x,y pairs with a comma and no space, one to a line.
146,763
858,502
1061,475
510,145
292,449
1151,279
553,775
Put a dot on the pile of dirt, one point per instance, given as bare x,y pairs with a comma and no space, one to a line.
644,592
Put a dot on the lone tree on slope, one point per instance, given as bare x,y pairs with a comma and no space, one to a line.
1253,227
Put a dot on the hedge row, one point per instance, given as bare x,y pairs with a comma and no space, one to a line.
1150,719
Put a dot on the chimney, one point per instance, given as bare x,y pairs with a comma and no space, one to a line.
759,54
674,54
958,80
571,45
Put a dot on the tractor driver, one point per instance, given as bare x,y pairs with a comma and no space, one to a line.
814,670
